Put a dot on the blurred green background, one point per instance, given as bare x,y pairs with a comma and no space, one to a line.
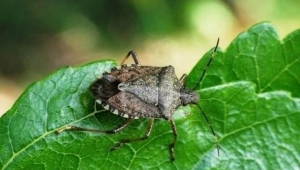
37,37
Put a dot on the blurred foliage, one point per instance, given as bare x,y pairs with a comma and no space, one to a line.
25,26
36,36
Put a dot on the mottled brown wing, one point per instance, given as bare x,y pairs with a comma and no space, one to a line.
128,105
128,73
145,88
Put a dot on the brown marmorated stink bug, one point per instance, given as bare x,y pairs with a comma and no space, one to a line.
136,91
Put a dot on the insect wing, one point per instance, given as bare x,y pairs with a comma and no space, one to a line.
133,72
129,105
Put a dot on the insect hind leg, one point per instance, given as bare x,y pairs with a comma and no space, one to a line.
134,56
124,141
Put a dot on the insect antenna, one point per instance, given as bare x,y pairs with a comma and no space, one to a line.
211,128
207,65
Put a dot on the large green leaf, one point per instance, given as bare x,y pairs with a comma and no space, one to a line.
250,95
258,130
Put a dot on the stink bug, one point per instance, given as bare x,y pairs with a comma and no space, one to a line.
136,91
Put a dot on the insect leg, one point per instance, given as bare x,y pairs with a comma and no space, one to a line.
75,128
183,79
134,56
122,142
172,146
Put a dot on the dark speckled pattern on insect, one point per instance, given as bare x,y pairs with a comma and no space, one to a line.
134,91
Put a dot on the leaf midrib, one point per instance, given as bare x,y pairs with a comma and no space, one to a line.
15,154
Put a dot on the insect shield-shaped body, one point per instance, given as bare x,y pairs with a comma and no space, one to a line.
136,91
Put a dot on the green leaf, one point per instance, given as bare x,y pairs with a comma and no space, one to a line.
250,94
258,123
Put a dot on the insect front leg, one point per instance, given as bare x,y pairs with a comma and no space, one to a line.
183,79
134,56
113,131
147,134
